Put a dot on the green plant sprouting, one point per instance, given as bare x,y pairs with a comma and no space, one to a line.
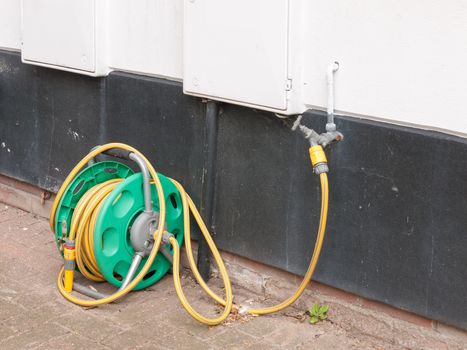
318,313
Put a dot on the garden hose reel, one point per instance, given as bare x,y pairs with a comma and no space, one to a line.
125,222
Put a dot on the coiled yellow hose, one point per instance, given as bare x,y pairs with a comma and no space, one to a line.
82,228
87,211
157,234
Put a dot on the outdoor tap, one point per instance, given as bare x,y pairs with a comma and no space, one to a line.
331,135
309,134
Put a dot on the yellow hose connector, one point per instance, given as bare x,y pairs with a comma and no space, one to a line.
317,155
69,265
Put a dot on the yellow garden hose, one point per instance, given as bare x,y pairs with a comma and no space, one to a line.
86,213
82,228
314,258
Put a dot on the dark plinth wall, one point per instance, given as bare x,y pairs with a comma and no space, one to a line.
398,205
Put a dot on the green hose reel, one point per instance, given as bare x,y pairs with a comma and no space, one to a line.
112,246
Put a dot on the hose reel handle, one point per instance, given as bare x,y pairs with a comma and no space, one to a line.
118,153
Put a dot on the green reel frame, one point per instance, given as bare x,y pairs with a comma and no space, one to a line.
113,250
112,247
90,176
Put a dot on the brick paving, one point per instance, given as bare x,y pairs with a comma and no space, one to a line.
33,315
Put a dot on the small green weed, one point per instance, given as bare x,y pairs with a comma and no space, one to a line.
318,313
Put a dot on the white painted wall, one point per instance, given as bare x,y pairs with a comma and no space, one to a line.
10,24
145,36
400,60
237,52
61,33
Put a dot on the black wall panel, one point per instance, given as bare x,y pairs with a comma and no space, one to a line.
154,116
47,117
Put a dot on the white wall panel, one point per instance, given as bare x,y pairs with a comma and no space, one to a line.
60,33
237,51
400,60
10,24
145,36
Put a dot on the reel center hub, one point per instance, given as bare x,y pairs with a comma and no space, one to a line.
142,230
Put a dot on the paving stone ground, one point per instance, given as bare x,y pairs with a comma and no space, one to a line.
33,315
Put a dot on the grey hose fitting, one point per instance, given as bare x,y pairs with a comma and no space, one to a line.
166,237
321,168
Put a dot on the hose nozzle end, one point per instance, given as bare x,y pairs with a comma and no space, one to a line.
69,264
